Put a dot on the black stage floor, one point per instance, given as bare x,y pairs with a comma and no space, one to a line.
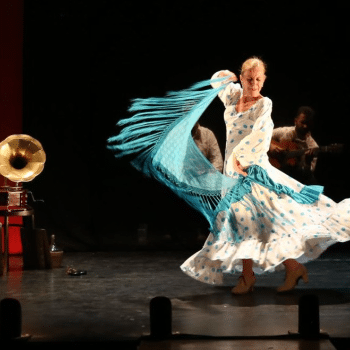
111,302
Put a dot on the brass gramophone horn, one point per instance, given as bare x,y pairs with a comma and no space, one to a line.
22,158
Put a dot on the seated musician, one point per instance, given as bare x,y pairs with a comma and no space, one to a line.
285,140
208,145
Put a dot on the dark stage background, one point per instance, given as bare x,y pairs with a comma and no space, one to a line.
85,60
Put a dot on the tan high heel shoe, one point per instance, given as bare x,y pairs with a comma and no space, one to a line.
245,285
292,278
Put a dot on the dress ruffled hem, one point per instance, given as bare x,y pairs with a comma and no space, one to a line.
219,257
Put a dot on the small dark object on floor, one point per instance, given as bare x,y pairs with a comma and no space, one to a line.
74,272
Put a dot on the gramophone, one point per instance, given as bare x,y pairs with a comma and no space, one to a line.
22,158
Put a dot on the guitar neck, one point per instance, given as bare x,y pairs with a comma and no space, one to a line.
300,152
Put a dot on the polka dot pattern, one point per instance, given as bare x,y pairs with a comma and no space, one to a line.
264,226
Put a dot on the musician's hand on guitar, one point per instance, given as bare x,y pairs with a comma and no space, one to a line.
312,152
275,150
238,167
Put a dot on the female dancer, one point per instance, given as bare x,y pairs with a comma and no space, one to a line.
260,218
279,230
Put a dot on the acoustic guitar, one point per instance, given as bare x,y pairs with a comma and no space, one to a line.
291,153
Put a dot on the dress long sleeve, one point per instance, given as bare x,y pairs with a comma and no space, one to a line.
229,94
253,148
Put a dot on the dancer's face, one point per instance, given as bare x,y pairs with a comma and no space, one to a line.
253,80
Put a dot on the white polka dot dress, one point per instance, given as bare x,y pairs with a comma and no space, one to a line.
271,227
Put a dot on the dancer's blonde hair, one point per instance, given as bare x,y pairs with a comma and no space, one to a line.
253,62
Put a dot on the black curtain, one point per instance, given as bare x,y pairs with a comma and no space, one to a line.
85,60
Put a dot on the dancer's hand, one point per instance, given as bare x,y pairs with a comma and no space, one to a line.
238,167
227,73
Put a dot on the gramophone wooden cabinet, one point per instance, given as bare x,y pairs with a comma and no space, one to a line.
4,260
